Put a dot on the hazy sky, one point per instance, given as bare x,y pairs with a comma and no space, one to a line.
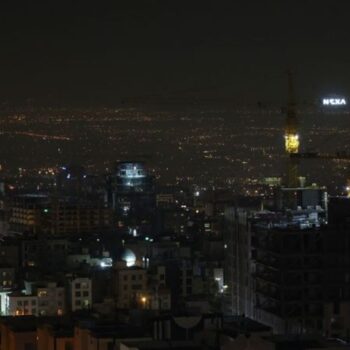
110,50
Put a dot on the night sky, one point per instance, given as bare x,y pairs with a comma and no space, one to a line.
104,52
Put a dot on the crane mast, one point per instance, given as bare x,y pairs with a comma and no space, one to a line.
291,136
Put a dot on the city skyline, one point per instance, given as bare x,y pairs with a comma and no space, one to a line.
175,175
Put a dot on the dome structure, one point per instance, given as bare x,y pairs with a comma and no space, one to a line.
129,257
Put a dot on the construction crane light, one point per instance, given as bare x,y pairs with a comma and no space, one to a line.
292,143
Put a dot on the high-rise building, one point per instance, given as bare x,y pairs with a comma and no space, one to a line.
27,212
34,213
290,269
131,194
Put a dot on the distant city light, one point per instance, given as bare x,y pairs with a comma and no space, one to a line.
334,102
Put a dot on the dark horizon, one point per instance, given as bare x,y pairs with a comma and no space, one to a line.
104,54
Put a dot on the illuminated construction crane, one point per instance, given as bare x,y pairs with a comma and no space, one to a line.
291,136
292,143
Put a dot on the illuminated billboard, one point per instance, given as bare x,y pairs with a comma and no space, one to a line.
334,101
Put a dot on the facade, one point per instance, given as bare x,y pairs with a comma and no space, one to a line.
74,217
131,194
21,304
7,278
18,333
26,212
44,253
50,297
9,254
59,215
289,271
106,336
130,285
39,299
80,293
55,337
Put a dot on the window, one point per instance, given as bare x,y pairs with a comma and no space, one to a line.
78,294
125,277
85,294
77,285
33,302
25,302
133,277
19,302
77,303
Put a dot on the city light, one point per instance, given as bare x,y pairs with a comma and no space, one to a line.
163,202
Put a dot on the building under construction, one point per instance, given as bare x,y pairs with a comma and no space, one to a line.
299,274
290,270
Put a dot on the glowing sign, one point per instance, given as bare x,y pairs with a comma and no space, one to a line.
334,102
